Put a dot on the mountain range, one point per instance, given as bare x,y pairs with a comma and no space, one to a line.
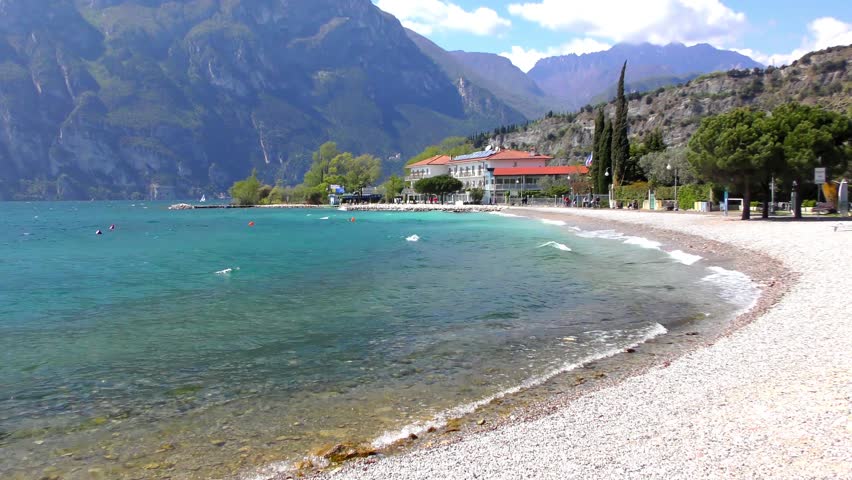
129,98
822,78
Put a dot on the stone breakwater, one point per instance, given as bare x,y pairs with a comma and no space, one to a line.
422,207
187,206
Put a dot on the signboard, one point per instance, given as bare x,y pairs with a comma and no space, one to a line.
819,176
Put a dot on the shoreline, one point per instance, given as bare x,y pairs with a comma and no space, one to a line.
776,276
609,369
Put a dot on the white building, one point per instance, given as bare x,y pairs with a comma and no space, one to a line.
494,171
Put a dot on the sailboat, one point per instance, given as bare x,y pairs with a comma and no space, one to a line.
203,198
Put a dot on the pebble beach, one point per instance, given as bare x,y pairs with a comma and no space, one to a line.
773,399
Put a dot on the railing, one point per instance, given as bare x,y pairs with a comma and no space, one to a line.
517,186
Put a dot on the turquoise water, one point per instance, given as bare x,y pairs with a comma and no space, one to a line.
127,355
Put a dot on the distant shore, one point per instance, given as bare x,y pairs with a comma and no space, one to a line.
366,207
775,386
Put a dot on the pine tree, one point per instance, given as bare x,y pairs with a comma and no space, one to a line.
620,143
597,168
602,185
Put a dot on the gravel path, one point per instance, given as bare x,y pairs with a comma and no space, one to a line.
774,400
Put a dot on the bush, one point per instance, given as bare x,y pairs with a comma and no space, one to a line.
809,203
635,191
246,192
687,194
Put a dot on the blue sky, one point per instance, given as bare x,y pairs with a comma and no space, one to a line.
771,32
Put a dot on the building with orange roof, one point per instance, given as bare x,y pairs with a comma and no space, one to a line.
497,172
431,167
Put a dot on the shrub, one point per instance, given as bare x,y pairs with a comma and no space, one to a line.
831,66
635,191
246,192
809,203
688,194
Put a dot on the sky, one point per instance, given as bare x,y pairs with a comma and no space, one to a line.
771,32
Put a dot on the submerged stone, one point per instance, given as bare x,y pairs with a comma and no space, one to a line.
342,452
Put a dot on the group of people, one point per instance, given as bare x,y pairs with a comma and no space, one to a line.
589,201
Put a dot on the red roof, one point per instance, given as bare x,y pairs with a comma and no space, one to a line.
563,170
501,155
436,160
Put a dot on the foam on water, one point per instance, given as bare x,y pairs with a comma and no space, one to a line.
556,245
324,218
735,287
626,239
604,234
418,428
226,271
503,214
685,258
558,223
413,238
643,242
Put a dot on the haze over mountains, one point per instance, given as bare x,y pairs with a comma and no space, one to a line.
119,98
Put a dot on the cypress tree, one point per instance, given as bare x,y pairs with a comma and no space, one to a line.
597,169
620,143
602,185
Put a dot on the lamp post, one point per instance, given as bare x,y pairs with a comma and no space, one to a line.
570,189
669,168
609,196
794,197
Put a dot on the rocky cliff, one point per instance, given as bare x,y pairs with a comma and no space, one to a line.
578,79
820,78
120,98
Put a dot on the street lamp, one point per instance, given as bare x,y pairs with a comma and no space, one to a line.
794,197
669,168
518,187
610,196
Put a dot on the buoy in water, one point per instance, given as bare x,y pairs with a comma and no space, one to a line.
99,232
352,219
112,227
251,224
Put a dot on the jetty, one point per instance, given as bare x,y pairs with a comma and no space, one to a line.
187,206
365,207
421,207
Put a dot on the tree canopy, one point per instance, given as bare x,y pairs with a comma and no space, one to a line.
733,148
747,148
655,165
439,185
333,167
247,192
393,186
620,141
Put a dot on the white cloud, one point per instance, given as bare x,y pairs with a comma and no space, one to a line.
526,59
428,16
655,21
824,32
